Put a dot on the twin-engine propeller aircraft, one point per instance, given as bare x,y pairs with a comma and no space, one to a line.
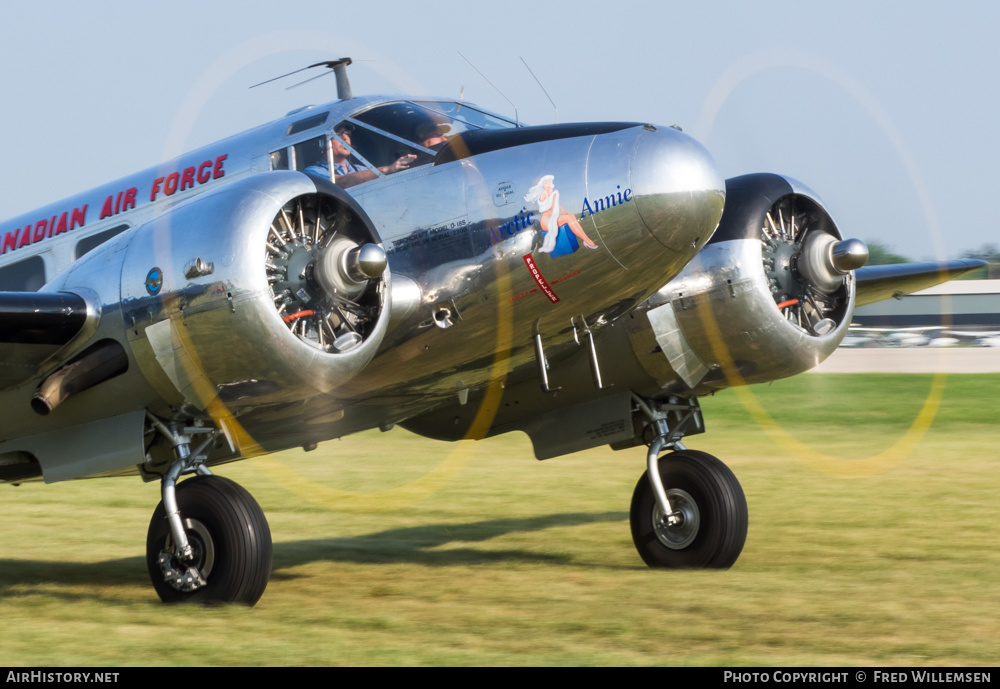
384,260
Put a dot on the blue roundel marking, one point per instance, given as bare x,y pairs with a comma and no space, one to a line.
154,281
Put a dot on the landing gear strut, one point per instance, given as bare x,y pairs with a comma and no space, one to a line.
208,539
688,509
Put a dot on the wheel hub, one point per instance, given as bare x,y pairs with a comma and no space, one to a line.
190,575
683,531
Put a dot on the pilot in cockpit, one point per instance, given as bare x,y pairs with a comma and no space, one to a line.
430,136
347,174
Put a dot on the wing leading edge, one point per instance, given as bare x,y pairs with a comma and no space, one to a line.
875,283
33,325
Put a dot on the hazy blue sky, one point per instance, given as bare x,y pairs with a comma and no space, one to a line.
888,110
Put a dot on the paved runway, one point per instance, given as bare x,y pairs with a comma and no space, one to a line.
913,360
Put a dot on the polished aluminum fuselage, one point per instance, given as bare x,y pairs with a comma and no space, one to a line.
471,291
453,261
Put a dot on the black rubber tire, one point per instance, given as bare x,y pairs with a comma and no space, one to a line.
721,505
240,540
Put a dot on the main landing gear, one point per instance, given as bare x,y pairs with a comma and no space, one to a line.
688,509
208,539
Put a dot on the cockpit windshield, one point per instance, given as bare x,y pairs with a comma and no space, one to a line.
428,124
394,137
460,112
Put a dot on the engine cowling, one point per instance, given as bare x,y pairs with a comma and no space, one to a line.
263,294
770,296
278,290
270,290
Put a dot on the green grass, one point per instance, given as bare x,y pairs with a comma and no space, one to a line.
391,549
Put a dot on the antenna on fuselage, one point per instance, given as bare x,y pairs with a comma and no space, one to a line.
542,88
339,68
516,121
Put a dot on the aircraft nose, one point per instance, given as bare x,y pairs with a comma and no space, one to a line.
671,190
679,193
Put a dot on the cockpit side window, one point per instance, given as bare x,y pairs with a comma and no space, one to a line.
428,125
379,149
309,153
429,128
405,121
384,134
279,159
387,139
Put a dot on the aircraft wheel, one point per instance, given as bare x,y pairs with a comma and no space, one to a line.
714,520
230,537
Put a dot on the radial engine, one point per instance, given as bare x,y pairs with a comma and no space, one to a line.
770,296
267,292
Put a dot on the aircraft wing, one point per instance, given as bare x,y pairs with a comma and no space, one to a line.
875,283
33,325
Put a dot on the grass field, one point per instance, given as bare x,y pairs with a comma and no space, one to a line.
871,543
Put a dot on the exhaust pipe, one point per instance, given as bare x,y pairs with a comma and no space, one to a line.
100,362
